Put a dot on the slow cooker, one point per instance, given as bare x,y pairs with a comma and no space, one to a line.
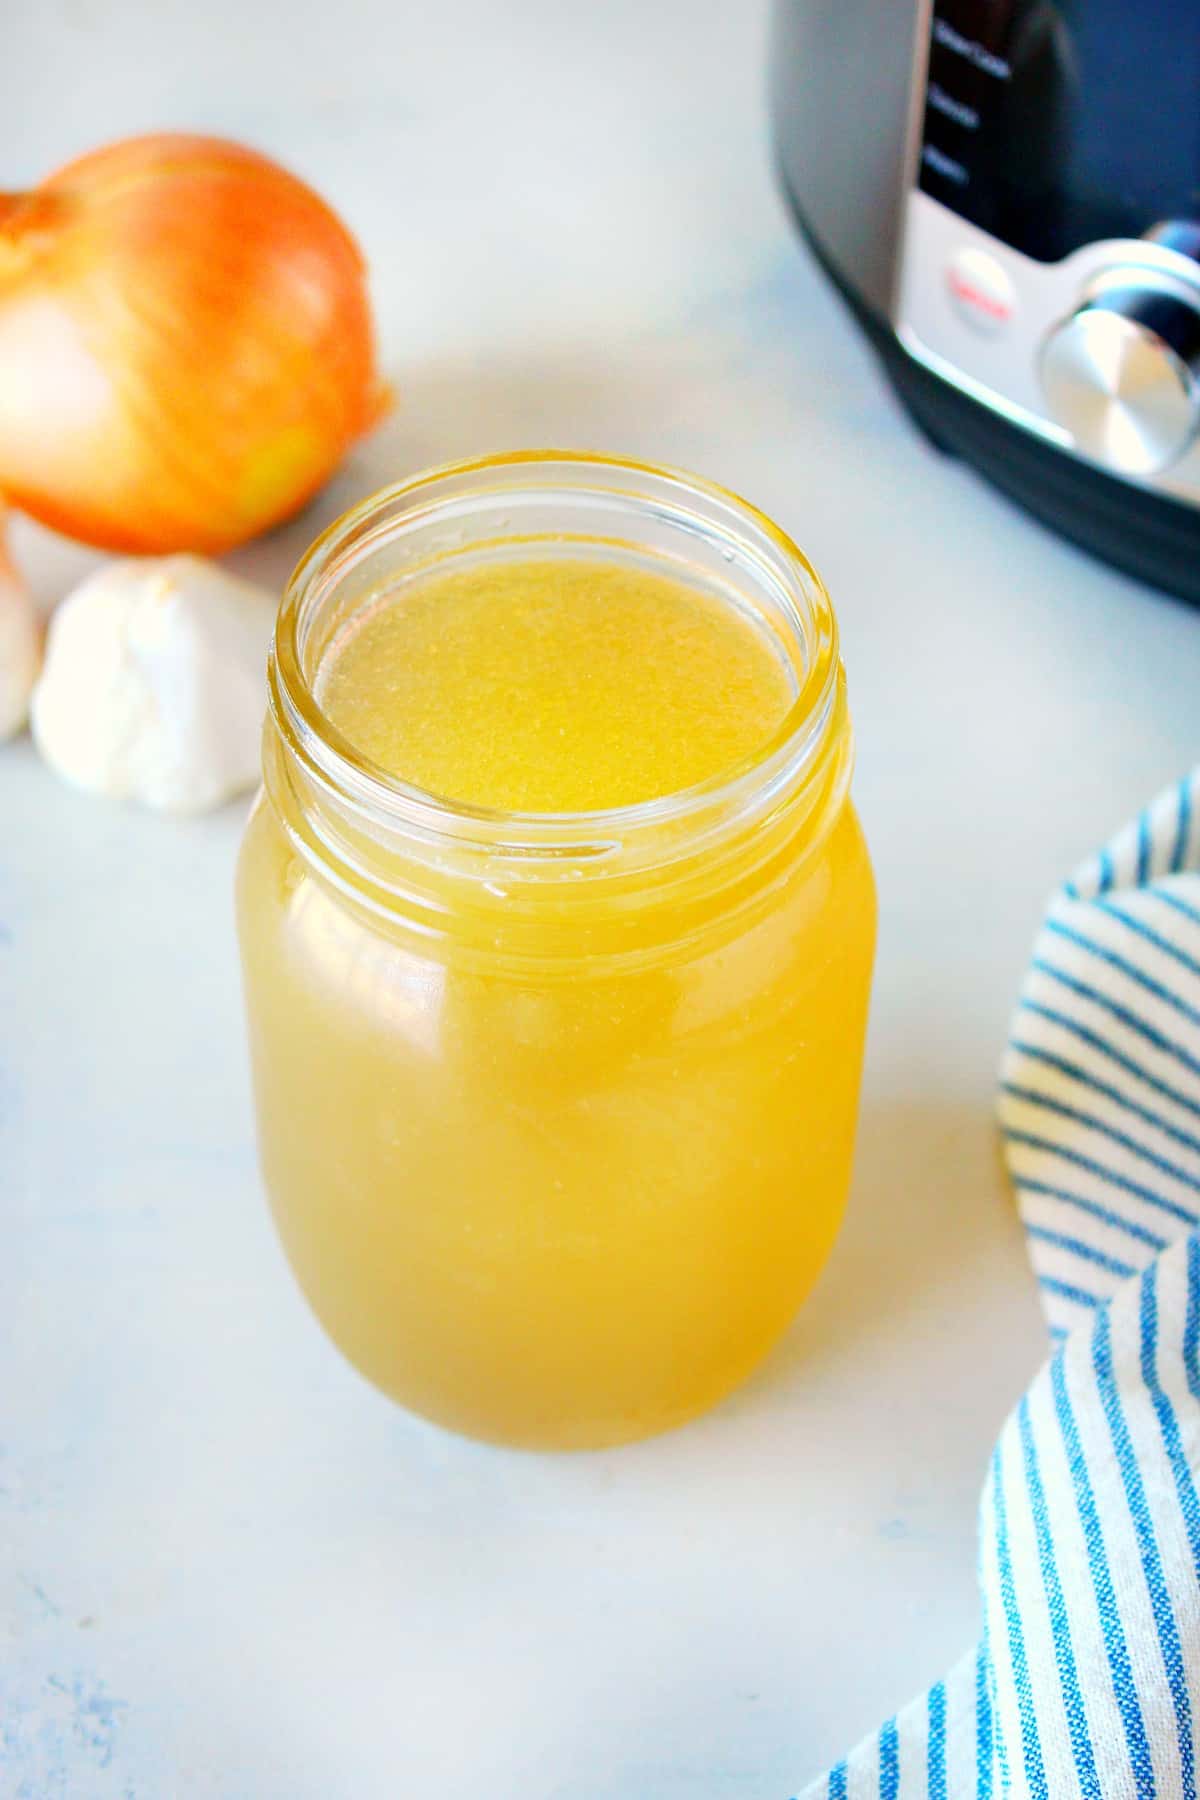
1007,193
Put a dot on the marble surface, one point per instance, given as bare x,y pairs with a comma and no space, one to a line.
227,1568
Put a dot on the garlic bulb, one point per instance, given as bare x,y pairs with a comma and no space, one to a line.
20,645
154,683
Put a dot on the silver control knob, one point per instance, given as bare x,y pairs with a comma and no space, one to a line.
1122,374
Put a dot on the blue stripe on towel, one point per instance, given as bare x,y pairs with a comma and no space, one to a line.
1117,1650
1035,1774
1143,1525
1157,990
1185,1487
1064,1650
984,1753
1177,904
936,1738
1058,1240
1106,1089
1191,1327
1076,1158
1108,1049
1140,929
1067,1291
1027,1185
1076,1116
1183,825
889,1762
1124,1015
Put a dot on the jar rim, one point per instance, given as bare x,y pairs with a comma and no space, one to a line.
338,764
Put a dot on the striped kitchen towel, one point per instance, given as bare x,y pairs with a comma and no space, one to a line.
1086,1681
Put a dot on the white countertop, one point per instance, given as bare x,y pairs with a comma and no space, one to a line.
227,1567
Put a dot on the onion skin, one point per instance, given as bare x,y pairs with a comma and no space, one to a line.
186,346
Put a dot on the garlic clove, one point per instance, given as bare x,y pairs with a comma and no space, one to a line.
20,646
153,688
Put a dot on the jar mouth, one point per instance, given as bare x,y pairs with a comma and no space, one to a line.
441,510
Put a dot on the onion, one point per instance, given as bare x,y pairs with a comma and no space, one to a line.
186,345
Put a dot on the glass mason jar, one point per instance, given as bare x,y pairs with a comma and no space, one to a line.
556,1111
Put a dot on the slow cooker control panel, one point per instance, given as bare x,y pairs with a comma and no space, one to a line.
1050,262
1055,126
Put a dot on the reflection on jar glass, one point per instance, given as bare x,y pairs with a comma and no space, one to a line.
556,1108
